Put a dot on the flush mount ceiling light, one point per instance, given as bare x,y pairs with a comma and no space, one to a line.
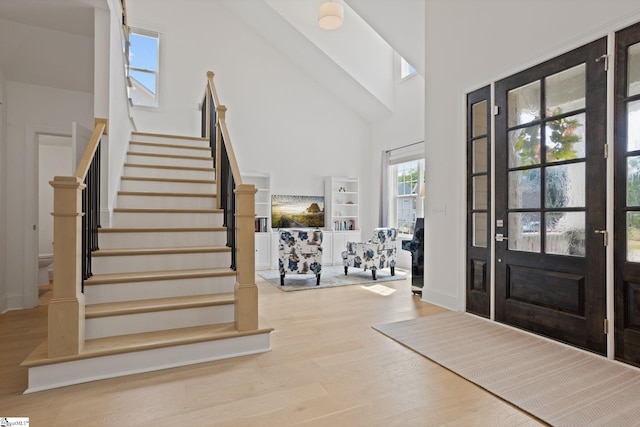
331,15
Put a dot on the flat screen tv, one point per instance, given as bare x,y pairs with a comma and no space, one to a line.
297,211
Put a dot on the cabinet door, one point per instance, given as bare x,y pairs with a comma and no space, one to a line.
263,251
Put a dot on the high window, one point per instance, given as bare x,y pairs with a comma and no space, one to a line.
143,67
406,69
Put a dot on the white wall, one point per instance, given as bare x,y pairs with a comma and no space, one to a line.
485,41
281,121
404,127
115,145
29,109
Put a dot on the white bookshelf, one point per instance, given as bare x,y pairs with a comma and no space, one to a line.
262,182
342,203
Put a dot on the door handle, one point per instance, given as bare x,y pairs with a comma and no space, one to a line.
605,236
501,238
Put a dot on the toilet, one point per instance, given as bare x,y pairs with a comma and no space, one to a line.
44,261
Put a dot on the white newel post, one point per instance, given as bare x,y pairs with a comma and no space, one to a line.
246,291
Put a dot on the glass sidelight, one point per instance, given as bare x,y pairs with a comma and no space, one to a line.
546,164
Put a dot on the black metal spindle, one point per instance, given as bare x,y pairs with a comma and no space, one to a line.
91,217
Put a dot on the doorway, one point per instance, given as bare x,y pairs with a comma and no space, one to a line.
550,198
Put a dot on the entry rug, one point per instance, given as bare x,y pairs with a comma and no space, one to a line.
330,277
558,384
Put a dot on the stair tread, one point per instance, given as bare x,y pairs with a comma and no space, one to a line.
161,210
164,145
165,194
181,180
169,136
147,276
173,156
160,229
188,168
159,251
108,346
157,304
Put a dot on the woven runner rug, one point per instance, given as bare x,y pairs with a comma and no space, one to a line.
558,384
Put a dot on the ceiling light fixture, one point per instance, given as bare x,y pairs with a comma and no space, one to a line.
331,15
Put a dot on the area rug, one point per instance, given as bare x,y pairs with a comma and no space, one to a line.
331,277
558,384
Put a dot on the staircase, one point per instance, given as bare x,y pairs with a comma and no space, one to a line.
162,292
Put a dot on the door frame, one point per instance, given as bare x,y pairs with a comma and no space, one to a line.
609,184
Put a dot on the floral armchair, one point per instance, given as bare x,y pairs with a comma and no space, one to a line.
300,251
377,253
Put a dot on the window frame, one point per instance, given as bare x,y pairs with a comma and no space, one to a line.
415,196
156,73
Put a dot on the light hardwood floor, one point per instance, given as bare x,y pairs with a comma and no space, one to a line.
327,367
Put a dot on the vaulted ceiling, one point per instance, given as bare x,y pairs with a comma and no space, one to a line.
353,61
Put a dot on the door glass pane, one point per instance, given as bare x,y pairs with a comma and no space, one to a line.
524,231
480,230
565,138
479,117
565,233
633,236
480,192
524,147
565,186
565,91
524,104
524,189
480,155
633,126
633,70
633,181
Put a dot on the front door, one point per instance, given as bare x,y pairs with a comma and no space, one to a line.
550,197
627,196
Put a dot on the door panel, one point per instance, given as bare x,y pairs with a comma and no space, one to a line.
478,201
551,196
627,196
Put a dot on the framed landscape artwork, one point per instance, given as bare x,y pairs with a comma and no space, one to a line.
297,211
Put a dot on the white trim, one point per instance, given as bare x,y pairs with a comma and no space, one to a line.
610,175
31,205
47,377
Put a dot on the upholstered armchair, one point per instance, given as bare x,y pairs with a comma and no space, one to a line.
377,253
300,252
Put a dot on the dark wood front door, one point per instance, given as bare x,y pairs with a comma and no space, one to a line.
478,201
627,196
550,198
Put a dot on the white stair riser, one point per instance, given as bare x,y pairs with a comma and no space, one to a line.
203,162
186,150
157,321
166,239
167,186
56,375
168,173
114,292
142,263
165,140
166,219
165,202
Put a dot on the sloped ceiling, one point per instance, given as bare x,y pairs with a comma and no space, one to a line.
355,62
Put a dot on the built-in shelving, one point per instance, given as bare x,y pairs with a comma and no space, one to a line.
342,203
262,182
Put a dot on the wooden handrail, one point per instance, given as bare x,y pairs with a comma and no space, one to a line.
83,166
238,201
233,163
